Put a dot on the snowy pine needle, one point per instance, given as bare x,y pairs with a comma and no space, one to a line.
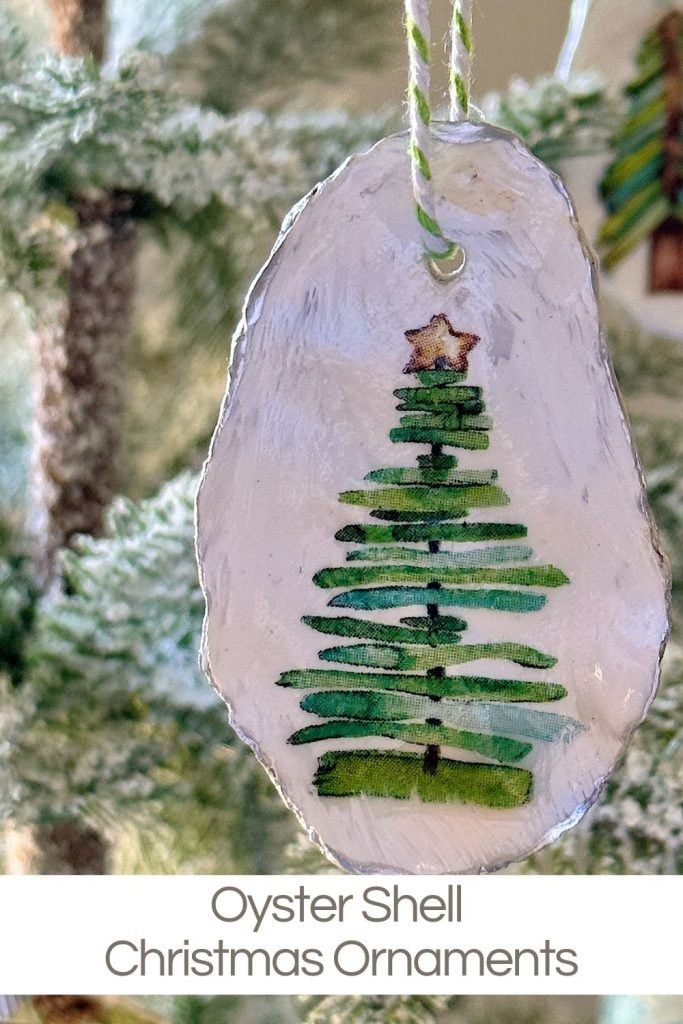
557,119
375,1009
69,127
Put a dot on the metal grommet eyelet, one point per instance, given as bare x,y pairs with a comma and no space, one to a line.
450,267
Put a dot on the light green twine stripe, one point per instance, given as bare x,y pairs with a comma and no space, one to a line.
430,225
447,254
421,160
462,28
421,43
421,103
461,91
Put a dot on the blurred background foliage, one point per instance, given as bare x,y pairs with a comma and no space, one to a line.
349,1010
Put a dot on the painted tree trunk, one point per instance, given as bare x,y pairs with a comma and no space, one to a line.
666,257
80,380
66,848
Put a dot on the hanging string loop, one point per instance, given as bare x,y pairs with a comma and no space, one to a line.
460,70
446,258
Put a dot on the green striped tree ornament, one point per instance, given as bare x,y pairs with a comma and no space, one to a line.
406,681
630,195
643,186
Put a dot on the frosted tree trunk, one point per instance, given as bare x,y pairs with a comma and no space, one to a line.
79,27
81,362
80,380
67,848
79,389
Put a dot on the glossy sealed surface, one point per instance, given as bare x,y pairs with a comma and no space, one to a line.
435,607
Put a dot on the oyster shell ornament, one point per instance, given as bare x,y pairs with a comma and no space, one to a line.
436,605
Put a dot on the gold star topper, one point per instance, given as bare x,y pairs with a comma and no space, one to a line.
436,346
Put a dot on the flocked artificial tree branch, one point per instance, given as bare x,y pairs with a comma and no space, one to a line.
85,155
557,120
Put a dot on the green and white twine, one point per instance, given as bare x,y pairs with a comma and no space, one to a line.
437,246
460,71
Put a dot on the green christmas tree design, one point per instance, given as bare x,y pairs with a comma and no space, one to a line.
395,683
643,187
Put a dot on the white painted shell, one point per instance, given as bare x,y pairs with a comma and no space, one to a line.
310,405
